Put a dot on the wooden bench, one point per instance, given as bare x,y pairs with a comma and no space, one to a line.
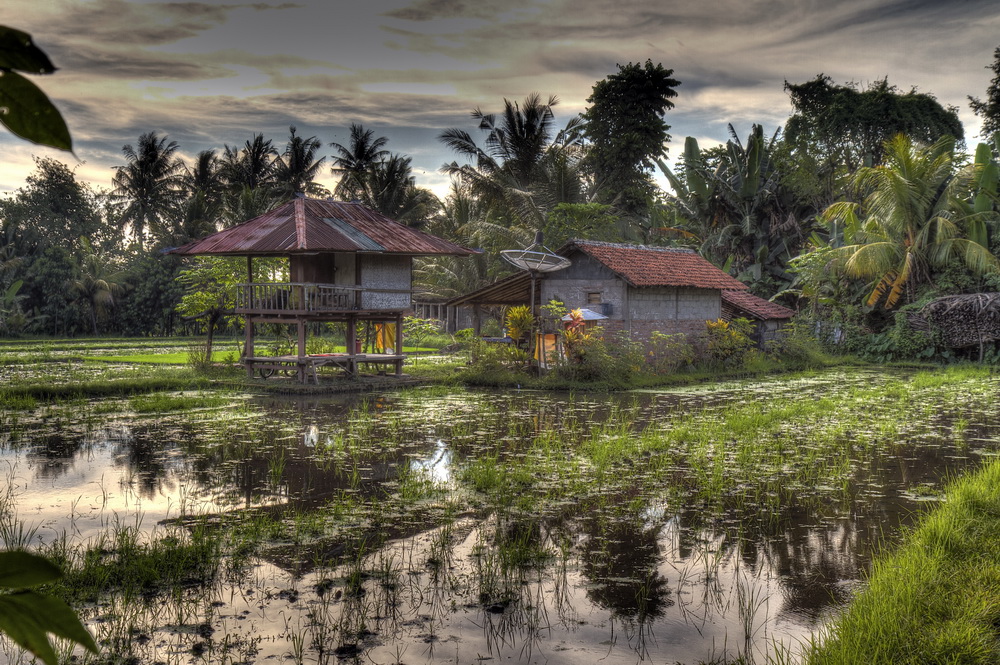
306,366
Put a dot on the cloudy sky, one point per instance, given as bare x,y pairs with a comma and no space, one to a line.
213,73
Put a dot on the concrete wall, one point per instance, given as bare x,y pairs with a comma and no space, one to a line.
571,286
674,304
385,272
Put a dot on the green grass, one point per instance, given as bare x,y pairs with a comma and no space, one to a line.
937,598
175,358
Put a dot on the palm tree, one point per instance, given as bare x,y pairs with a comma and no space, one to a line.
94,283
202,210
296,169
148,184
248,175
509,172
908,222
352,161
389,187
465,220
250,166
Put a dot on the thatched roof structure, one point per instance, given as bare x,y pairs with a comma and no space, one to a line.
967,320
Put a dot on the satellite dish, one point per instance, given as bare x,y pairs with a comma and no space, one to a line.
536,258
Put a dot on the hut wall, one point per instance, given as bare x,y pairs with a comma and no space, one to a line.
666,303
573,286
346,274
317,269
385,272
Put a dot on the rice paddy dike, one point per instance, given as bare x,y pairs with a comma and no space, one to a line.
724,522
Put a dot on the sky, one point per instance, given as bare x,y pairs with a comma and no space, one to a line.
209,74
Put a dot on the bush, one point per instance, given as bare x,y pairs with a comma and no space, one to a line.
796,344
590,359
667,353
728,342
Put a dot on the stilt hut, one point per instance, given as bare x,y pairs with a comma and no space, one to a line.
346,263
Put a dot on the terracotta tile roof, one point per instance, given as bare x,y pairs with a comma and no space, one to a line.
656,266
758,308
307,226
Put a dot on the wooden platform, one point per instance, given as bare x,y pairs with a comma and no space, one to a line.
306,366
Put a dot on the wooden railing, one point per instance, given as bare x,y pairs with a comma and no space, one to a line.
301,298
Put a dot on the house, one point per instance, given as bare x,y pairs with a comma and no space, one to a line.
346,263
638,288
768,317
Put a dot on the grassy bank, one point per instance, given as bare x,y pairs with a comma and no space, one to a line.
937,598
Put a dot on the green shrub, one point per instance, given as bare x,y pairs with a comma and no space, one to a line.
729,343
667,353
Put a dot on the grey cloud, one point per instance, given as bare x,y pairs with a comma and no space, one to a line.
429,10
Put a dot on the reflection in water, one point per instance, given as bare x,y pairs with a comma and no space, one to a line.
630,578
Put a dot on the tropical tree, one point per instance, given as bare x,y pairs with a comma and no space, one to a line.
850,127
467,221
248,175
353,160
52,208
509,173
203,206
627,133
296,169
95,283
907,222
149,184
389,187
989,110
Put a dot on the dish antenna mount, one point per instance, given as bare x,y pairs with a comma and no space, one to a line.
536,259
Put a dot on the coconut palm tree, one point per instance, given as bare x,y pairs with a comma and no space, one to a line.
248,175
907,223
202,209
251,166
94,283
295,170
148,184
509,172
352,161
389,187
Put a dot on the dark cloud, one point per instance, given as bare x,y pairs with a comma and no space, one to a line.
87,60
430,10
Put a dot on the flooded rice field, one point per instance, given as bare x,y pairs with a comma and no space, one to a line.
708,524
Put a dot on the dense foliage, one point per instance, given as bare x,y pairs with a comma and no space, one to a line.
862,207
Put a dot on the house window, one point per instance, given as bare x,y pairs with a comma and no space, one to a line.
594,298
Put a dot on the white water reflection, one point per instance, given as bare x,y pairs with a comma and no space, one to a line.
436,467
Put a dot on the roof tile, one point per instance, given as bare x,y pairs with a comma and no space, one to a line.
756,307
656,266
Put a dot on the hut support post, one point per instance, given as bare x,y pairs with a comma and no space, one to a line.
399,343
301,327
248,325
351,341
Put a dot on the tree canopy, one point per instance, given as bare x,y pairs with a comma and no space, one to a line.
627,131
850,126
989,110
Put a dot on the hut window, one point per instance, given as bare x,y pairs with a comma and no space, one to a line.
594,298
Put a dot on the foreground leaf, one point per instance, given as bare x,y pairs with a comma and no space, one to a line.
20,569
27,112
17,51
27,618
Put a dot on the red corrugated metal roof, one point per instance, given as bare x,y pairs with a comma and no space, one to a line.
756,307
307,226
656,266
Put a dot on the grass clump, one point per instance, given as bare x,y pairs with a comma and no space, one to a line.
937,598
